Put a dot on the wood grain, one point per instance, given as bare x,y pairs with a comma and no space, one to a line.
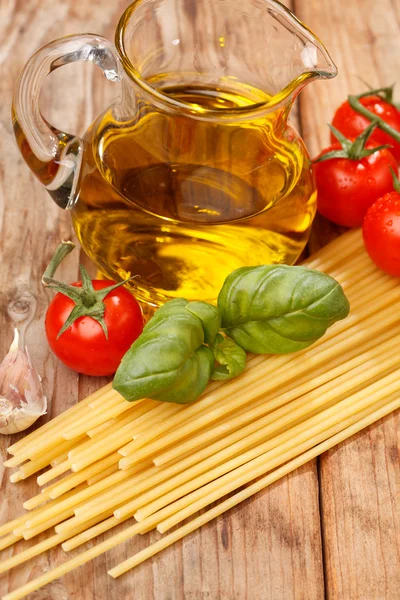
270,547
360,484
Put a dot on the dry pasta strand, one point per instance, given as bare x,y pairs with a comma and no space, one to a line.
176,460
250,491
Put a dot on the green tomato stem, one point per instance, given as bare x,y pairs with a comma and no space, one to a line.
358,107
88,302
396,181
384,92
48,280
352,150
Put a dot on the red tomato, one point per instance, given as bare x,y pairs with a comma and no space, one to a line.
351,123
84,347
347,188
381,232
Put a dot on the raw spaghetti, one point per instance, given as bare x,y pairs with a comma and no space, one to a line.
162,463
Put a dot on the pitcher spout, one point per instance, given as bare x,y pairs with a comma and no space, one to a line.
316,60
305,55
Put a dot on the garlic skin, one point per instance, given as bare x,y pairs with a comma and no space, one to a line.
21,395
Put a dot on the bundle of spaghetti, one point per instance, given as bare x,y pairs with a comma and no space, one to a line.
161,463
300,447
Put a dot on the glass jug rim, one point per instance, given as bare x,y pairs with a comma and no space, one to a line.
274,103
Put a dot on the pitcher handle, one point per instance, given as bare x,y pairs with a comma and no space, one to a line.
54,156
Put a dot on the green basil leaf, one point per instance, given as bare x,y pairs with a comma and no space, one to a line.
231,359
192,379
209,316
276,309
169,361
169,309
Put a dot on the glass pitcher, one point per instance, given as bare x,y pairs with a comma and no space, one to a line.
193,171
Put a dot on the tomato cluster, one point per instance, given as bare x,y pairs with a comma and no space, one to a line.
356,176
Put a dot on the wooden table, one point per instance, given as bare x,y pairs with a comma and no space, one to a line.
330,529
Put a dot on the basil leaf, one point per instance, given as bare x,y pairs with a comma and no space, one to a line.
169,361
169,309
276,309
231,359
209,316
192,379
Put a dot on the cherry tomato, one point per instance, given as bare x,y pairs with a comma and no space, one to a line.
381,232
352,123
347,187
84,347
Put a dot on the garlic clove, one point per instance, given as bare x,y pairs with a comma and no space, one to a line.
6,412
22,400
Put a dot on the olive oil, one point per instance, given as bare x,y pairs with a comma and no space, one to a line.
181,201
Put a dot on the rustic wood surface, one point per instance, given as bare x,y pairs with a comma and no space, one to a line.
332,528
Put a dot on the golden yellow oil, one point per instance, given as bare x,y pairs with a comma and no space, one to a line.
181,202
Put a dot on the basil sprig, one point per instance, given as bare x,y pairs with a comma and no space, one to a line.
270,309
276,309
169,361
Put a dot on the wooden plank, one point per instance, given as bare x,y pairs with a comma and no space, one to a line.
360,483
30,228
268,548
29,231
